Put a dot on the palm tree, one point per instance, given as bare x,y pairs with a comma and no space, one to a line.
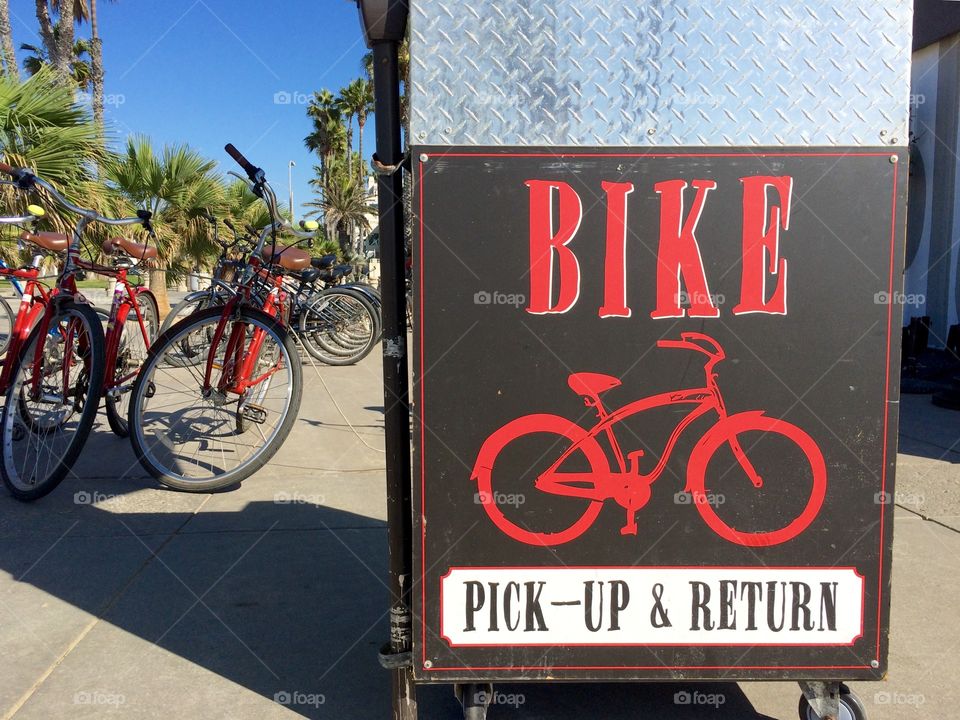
43,128
96,58
58,39
356,101
178,187
328,137
80,71
6,42
345,208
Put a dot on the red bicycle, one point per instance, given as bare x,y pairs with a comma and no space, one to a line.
583,476
54,371
131,326
220,389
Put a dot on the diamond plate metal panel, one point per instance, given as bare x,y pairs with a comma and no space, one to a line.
661,73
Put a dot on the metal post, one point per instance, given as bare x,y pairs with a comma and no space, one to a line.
395,385
290,165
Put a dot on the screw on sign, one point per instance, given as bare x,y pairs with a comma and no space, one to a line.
626,485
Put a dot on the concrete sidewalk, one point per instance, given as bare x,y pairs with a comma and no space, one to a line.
118,598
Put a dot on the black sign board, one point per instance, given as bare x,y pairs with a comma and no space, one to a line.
655,402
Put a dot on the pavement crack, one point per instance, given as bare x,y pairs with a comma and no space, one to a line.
928,518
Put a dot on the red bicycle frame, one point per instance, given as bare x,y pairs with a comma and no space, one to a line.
238,363
124,299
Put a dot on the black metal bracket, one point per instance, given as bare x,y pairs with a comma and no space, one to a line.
383,169
394,661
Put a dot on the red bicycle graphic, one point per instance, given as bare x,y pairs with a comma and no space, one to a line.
630,488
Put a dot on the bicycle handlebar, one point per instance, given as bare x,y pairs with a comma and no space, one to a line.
20,220
25,180
253,172
691,341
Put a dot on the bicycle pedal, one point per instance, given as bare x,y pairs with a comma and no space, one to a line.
254,413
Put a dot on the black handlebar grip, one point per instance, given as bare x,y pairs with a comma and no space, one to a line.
247,166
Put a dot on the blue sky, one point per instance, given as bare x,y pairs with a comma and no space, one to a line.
208,72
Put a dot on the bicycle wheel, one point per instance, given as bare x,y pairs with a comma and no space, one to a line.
517,454
338,327
787,460
186,436
131,353
7,318
52,401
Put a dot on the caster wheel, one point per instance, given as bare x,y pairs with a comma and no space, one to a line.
475,699
850,707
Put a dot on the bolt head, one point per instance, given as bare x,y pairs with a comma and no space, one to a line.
424,157
874,664
894,159
651,131
427,664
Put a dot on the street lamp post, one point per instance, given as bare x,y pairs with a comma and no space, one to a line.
290,165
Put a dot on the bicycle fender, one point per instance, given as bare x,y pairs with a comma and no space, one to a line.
708,444
195,295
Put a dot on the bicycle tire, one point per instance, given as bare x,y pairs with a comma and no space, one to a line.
131,351
321,322
735,426
32,479
523,427
153,441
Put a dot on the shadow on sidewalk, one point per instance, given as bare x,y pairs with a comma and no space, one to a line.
285,599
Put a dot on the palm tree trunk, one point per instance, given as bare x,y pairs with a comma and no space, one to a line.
158,286
362,164
350,146
46,30
6,42
96,65
64,41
